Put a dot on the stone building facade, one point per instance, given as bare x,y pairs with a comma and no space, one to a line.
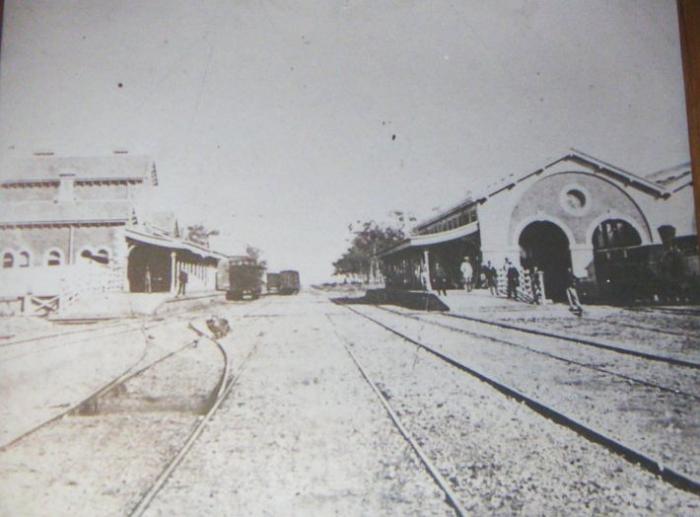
72,225
575,212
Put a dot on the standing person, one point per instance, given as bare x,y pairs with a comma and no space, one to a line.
536,286
147,280
183,278
513,279
425,277
440,281
572,293
467,273
491,278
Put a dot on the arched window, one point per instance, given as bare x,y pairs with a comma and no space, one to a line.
54,258
25,259
8,260
615,233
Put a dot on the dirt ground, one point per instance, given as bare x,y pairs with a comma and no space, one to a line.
99,460
301,432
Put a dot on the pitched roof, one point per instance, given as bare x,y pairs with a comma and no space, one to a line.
86,168
48,212
656,188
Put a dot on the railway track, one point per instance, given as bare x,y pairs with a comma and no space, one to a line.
53,335
645,328
567,360
578,340
129,373
91,333
226,385
672,476
434,472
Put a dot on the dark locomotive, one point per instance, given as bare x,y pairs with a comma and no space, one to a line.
244,278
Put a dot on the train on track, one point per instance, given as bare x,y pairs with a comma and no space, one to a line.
241,277
289,282
273,283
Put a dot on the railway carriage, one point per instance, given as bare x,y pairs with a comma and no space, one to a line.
273,282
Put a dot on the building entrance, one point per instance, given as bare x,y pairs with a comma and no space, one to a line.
544,245
621,266
149,269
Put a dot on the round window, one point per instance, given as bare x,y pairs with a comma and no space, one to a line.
574,200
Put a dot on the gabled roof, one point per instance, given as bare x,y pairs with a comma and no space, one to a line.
506,183
48,212
42,169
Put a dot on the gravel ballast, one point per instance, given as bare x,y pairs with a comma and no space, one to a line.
501,457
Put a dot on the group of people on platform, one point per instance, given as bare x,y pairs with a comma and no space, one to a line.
489,279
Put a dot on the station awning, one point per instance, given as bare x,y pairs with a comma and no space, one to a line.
419,241
164,241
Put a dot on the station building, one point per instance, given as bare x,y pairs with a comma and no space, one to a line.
576,212
70,226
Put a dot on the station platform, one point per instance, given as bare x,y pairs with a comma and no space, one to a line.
480,301
113,305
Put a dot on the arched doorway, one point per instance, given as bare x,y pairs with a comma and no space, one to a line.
545,245
619,264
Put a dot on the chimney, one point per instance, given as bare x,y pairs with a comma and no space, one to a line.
65,188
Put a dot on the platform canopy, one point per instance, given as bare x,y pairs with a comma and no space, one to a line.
143,236
421,241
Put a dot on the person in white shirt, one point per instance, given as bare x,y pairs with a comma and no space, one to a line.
467,273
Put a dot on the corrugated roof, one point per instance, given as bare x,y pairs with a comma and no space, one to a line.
117,167
48,212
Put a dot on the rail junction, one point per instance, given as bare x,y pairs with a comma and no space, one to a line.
312,407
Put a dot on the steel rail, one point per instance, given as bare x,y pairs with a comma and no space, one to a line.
647,328
671,476
123,377
155,318
578,340
622,376
434,472
223,391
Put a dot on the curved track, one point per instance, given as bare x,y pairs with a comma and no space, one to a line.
129,373
225,388
226,385
632,455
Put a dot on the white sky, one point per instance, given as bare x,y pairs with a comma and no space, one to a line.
274,123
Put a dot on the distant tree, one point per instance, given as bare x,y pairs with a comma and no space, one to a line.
256,254
370,238
199,234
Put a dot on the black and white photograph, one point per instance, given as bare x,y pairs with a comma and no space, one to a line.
342,257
